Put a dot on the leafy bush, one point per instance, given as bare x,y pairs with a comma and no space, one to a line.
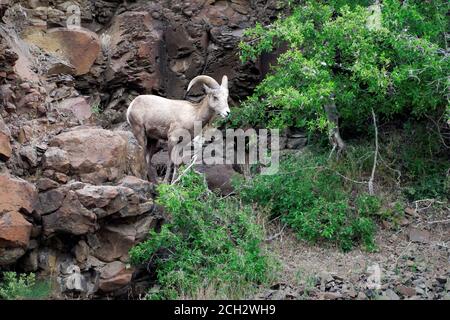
315,201
395,65
22,286
209,244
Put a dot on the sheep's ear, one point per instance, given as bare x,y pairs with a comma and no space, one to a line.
224,82
207,89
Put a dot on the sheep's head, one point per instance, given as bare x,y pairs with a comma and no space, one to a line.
217,95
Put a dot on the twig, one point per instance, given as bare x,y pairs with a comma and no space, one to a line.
439,221
194,159
332,151
277,234
431,201
344,177
372,176
438,131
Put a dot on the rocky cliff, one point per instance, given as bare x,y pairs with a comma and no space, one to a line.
73,197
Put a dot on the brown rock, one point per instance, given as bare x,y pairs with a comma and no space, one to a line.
56,159
136,162
143,188
71,218
218,177
61,177
78,107
96,155
78,46
81,251
16,195
44,184
114,242
5,145
410,211
112,269
14,230
405,291
110,198
114,276
143,225
331,295
29,155
134,36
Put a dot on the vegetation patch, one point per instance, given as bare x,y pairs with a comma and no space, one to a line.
23,286
318,203
210,248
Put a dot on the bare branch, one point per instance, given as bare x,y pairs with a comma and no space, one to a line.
375,157
194,159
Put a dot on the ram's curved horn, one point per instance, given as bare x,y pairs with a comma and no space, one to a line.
210,82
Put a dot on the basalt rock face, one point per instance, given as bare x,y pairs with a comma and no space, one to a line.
73,194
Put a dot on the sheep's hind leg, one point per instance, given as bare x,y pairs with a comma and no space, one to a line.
150,150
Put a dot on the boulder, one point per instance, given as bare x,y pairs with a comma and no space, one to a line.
95,155
29,155
72,217
114,276
76,107
218,177
16,195
80,47
81,251
5,145
50,201
14,230
113,242
110,199
136,164
56,159
143,188
44,184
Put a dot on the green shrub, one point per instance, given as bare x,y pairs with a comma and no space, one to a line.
23,286
397,68
315,201
209,245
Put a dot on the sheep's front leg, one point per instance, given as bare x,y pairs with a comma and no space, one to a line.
177,138
168,171
171,141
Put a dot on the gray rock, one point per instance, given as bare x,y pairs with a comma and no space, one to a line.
29,154
81,251
418,235
391,295
296,143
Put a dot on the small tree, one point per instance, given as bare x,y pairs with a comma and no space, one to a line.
346,59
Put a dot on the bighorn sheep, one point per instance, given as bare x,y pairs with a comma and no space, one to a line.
152,118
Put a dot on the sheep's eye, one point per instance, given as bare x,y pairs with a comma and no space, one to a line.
215,98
